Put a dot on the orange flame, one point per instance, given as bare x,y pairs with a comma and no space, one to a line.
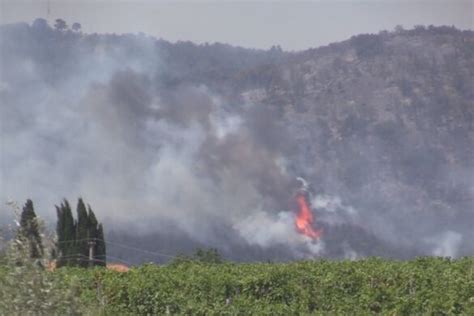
304,219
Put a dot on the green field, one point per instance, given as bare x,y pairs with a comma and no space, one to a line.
433,286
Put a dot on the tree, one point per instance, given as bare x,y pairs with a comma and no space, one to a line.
368,45
93,224
40,24
96,235
66,233
100,247
29,233
82,234
419,29
60,25
210,255
76,27
399,29
76,237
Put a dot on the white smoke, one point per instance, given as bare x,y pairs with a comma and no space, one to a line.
304,183
266,230
446,244
331,204
349,253
333,211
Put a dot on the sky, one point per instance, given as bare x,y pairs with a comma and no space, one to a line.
294,25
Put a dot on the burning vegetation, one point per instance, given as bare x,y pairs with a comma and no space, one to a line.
304,220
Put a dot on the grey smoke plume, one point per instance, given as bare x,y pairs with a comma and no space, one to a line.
110,119
140,155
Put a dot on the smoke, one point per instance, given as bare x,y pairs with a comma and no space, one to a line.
446,244
140,154
333,211
332,204
349,253
123,122
270,230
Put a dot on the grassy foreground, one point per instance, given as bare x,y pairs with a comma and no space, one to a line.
423,286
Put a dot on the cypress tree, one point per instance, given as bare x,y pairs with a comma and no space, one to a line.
92,233
82,234
72,248
60,236
101,249
66,232
29,233
93,224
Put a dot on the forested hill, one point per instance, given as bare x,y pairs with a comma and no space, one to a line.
381,125
57,50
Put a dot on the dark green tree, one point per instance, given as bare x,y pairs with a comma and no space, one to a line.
29,233
76,237
66,232
93,224
96,234
210,255
82,234
100,247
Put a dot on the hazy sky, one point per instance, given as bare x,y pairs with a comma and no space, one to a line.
260,24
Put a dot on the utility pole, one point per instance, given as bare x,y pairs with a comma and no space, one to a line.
91,253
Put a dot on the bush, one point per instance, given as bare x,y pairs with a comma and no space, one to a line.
422,286
26,287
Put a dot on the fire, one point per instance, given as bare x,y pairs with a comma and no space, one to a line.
304,219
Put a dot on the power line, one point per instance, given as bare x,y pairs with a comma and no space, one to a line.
82,257
121,245
142,250
154,253
115,258
78,240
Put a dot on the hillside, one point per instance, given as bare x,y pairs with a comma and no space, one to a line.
185,145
